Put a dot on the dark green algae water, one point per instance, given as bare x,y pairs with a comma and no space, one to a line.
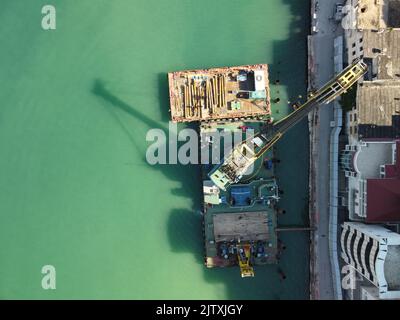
75,106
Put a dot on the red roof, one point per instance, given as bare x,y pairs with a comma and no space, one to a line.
383,200
393,170
383,195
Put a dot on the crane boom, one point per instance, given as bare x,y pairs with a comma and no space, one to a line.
246,153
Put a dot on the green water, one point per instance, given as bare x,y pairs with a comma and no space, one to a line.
75,106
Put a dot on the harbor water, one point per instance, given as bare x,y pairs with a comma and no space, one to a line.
76,103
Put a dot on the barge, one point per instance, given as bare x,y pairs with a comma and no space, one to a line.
220,94
239,222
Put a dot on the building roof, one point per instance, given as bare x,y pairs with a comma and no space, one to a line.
391,268
383,200
378,102
383,195
371,131
385,47
374,252
393,10
368,159
375,15
370,15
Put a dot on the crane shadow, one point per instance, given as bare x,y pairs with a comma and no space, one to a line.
184,174
184,226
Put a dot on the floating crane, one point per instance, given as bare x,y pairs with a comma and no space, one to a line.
237,163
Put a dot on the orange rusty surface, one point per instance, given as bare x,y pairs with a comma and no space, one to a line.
199,84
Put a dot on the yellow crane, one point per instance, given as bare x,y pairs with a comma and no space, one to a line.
235,165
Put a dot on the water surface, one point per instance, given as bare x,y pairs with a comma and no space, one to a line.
75,106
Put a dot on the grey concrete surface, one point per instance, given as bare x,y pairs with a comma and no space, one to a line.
323,42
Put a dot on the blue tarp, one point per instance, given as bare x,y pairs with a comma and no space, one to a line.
240,196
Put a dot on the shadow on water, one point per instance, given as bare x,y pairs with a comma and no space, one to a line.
185,227
99,89
290,68
163,96
185,234
187,175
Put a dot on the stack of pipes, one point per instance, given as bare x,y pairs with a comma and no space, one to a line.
210,95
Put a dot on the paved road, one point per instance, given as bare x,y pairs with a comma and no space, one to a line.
323,58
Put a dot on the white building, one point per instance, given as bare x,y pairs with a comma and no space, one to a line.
372,170
374,252
369,293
